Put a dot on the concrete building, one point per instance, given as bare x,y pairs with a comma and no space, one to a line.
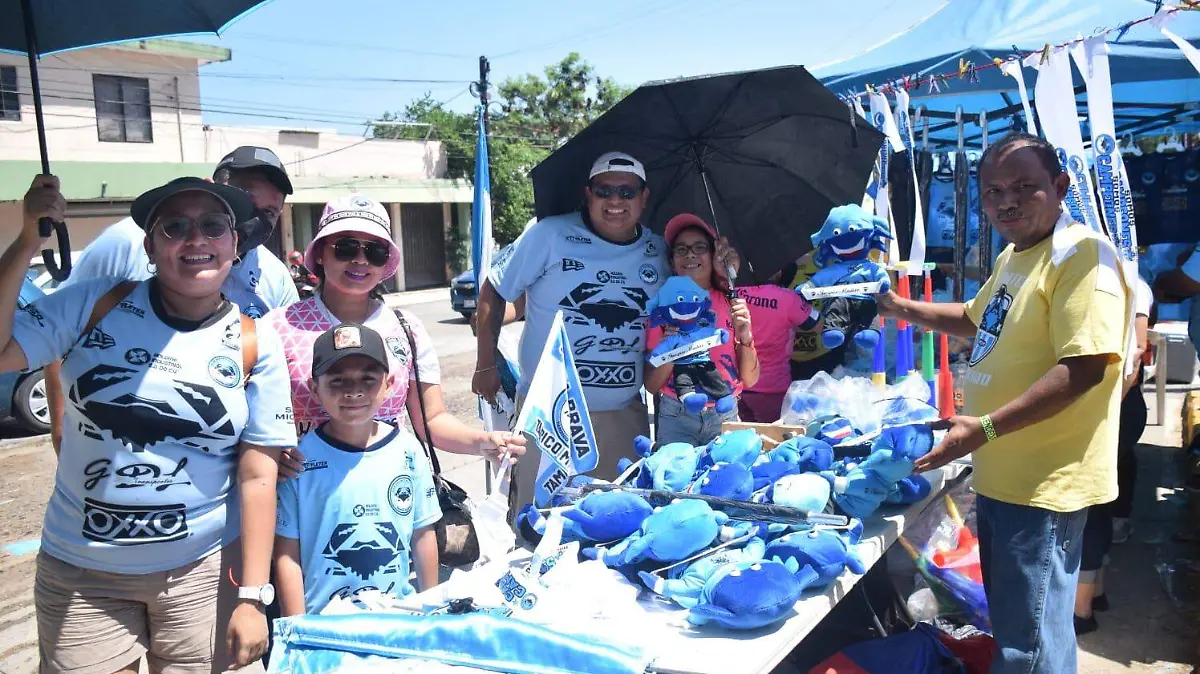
124,118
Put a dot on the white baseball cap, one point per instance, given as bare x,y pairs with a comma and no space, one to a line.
617,162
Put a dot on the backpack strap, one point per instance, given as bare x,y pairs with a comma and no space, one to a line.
430,452
249,347
107,302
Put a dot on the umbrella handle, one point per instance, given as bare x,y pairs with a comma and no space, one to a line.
57,271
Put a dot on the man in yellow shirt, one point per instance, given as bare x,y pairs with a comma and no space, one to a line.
1042,392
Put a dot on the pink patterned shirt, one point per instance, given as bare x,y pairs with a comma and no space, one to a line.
300,324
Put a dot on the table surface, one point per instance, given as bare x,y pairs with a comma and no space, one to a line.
701,651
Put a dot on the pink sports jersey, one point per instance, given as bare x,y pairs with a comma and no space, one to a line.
300,324
722,354
775,313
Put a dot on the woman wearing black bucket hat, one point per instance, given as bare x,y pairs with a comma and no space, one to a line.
173,397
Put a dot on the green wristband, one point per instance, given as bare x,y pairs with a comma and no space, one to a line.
989,429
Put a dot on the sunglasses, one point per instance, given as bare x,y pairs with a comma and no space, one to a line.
180,227
626,192
699,248
376,252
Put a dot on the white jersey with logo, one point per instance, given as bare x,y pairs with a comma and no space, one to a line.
354,511
155,408
602,289
257,284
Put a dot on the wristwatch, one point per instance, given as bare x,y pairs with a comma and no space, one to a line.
263,594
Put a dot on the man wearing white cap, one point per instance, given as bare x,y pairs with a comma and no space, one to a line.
599,266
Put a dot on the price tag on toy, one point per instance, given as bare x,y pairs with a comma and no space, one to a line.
686,350
815,293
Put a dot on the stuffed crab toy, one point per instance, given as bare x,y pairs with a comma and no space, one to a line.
672,533
682,304
843,247
822,550
670,467
684,583
742,447
749,595
725,480
867,485
599,517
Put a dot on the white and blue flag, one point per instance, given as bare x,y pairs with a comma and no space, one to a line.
481,211
555,417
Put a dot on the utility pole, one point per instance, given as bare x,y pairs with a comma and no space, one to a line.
485,69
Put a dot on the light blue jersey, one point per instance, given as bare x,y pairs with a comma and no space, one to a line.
354,512
257,284
602,289
155,408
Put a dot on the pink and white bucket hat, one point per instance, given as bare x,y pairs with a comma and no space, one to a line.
356,214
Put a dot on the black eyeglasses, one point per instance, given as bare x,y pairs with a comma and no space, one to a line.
180,227
626,192
699,248
376,252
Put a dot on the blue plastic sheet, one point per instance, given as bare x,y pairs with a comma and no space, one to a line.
329,643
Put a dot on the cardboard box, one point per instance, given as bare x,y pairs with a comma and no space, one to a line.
774,432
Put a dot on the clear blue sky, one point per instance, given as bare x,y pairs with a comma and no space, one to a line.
324,63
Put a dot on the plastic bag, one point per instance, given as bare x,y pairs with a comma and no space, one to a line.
490,516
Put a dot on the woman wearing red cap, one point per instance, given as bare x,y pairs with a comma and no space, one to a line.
690,245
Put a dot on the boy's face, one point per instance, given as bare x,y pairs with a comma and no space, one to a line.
352,390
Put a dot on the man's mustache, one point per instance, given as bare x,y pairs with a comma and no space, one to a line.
1013,214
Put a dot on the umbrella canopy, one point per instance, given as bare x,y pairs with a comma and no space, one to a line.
39,27
61,25
762,154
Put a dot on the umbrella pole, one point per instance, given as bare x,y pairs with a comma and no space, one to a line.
45,225
713,211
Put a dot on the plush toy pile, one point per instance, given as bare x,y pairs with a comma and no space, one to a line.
740,574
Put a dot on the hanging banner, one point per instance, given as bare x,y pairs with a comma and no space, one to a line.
881,119
1116,202
916,254
1055,103
1161,20
1012,68
555,417
868,202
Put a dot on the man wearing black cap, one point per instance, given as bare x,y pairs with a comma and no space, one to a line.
258,282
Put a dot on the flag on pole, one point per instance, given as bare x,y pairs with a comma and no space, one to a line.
481,212
555,417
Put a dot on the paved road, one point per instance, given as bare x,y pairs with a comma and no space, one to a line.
27,474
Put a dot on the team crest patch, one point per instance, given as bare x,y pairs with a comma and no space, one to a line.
400,495
990,325
398,349
224,371
347,337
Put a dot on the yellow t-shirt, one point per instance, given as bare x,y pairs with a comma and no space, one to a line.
808,342
1062,298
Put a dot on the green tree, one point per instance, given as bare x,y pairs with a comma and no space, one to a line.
531,115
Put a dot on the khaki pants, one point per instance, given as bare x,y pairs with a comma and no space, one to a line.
614,430
95,622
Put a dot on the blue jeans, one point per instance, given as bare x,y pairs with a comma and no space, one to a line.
1030,563
676,424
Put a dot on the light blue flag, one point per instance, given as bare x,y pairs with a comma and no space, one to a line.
481,212
555,417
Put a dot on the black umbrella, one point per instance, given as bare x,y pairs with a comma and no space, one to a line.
40,27
764,153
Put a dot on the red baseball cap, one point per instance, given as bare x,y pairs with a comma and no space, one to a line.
682,221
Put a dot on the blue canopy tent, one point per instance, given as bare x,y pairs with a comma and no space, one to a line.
1153,82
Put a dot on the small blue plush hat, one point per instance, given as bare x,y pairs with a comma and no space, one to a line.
749,595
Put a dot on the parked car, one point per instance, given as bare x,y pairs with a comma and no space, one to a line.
464,291
23,394
41,277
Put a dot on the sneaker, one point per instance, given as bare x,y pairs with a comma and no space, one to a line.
1122,529
1085,625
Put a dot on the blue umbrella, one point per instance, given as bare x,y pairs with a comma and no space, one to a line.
39,27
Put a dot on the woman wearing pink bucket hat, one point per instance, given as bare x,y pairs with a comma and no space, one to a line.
352,254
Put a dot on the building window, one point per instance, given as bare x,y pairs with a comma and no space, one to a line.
10,100
122,109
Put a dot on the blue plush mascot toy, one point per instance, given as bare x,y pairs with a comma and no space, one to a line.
843,247
686,306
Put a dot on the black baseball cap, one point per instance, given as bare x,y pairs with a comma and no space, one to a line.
237,201
347,339
261,159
